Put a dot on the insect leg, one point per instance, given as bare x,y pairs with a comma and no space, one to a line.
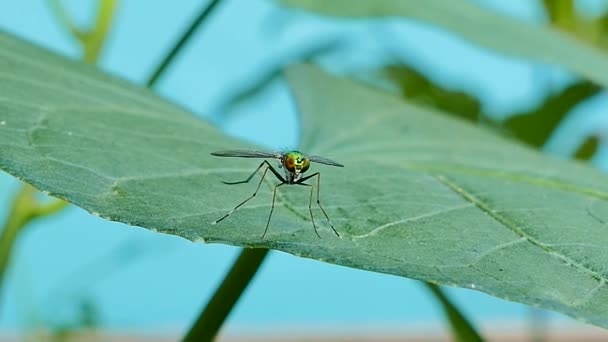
274,194
268,167
318,175
310,207
248,198
265,162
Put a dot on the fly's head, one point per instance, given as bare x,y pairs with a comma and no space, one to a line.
295,164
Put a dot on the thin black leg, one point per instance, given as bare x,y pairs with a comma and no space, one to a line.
247,199
278,175
274,194
301,182
314,225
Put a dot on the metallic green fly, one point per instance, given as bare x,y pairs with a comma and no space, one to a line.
295,164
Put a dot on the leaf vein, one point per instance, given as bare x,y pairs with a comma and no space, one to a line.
503,221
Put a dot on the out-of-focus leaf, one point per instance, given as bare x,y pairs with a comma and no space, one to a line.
462,329
563,16
533,127
422,195
588,149
256,85
416,87
484,27
561,13
536,126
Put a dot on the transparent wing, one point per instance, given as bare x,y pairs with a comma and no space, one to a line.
246,154
325,161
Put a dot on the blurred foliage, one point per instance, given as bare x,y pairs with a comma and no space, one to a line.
25,206
261,81
91,40
533,127
588,148
415,86
462,329
562,14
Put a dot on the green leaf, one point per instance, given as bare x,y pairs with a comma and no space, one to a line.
431,197
536,126
462,329
462,17
422,195
587,149
416,87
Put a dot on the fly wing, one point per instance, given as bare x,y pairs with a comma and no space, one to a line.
325,161
246,154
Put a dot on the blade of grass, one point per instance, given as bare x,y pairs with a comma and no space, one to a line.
208,10
249,261
462,329
225,297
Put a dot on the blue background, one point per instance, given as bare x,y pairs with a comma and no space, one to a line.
138,281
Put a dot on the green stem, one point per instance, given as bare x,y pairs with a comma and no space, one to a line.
462,329
24,209
91,41
226,296
180,44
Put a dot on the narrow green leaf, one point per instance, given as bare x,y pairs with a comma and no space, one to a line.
416,87
421,195
462,17
462,329
588,149
179,45
536,126
226,296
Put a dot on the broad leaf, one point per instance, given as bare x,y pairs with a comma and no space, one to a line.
422,195
488,29
431,197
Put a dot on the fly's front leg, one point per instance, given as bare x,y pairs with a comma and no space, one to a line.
251,176
248,198
268,167
274,194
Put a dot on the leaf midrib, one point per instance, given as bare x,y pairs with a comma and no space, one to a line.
503,221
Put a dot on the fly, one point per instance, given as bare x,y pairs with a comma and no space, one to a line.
295,164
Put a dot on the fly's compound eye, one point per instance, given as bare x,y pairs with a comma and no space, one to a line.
290,164
305,165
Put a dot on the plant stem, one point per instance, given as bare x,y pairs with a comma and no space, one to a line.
24,209
226,296
91,41
462,329
249,261
180,44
